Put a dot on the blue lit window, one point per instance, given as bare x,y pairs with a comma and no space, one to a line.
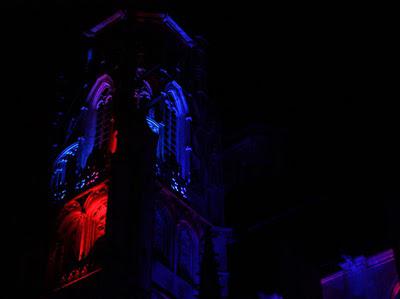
71,169
175,129
98,120
62,168
103,121
170,120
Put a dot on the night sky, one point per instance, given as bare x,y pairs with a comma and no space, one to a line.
322,75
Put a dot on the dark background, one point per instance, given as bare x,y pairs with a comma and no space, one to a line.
323,76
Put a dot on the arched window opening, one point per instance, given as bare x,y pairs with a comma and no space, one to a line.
176,130
186,254
104,122
170,120
163,236
98,126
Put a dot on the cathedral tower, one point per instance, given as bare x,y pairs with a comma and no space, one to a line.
136,178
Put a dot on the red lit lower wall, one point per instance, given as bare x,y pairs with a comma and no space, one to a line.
81,225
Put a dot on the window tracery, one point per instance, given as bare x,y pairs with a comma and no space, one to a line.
62,172
171,121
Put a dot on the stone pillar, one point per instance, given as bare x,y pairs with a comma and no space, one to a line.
129,222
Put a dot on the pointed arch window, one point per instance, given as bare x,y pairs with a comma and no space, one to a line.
163,235
186,250
96,140
98,123
104,121
176,129
171,121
